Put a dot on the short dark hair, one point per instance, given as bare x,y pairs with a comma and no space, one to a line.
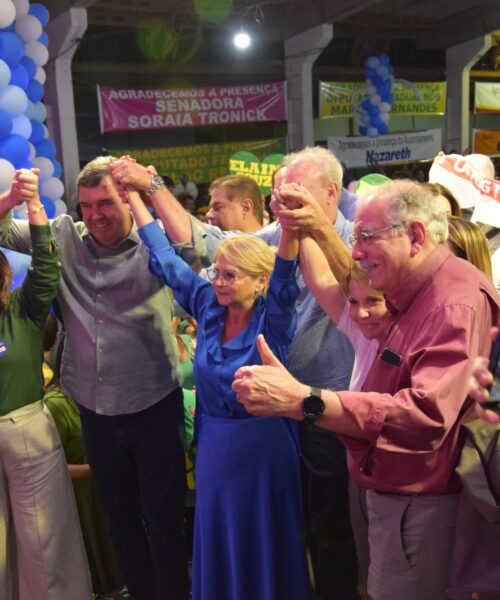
242,186
94,172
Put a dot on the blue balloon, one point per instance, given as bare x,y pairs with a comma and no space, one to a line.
37,131
19,76
383,59
382,128
43,39
15,149
34,91
363,129
376,80
50,206
27,164
365,104
29,64
5,124
40,12
11,47
11,27
46,148
373,110
17,280
57,169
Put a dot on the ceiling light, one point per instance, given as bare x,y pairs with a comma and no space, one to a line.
242,40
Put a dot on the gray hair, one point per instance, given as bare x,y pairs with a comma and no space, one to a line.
324,163
409,201
94,172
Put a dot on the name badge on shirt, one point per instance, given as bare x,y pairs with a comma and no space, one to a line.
3,348
391,357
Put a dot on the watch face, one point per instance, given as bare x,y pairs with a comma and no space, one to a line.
313,406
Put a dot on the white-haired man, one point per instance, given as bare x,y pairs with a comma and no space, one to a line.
402,430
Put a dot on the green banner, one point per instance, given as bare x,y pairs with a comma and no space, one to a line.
337,99
201,163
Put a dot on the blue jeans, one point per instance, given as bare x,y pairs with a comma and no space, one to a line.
139,467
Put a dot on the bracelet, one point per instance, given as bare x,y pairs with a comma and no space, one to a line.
36,210
156,183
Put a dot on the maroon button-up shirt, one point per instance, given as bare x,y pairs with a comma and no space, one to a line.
414,397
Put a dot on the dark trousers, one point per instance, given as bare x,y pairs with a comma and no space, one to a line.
326,513
139,467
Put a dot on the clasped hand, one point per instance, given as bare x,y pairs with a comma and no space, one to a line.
297,209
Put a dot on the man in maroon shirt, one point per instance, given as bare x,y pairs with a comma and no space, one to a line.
402,430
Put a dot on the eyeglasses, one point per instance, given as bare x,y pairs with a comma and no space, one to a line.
227,277
367,237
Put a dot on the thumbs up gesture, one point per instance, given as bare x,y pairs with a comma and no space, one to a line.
269,389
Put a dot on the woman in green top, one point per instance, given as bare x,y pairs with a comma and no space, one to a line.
42,555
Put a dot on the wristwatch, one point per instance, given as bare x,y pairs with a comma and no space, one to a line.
312,406
156,183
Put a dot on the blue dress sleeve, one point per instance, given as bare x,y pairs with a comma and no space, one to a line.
191,291
281,315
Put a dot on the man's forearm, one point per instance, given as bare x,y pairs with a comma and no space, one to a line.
173,216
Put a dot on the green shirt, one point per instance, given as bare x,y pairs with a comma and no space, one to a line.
21,325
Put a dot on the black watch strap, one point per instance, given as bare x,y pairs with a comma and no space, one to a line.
313,406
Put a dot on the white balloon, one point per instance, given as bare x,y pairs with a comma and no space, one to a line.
40,112
7,172
38,52
385,117
385,107
28,28
14,100
375,100
178,189
45,165
7,13
52,187
370,90
30,110
45,131
61,208
32,151
22,126
4,74
21,211
22,7
40,75
191,189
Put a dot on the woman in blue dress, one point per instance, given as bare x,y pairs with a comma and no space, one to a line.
248,540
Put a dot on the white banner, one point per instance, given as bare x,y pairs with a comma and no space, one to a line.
469,186
487,97
386,149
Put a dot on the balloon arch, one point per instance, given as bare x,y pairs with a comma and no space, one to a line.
24,138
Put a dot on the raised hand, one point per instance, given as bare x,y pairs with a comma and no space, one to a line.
297,209
24,186
127,173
